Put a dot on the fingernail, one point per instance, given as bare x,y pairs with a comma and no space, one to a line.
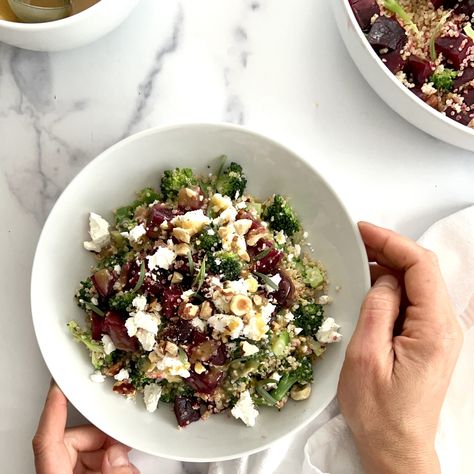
117,457
388,281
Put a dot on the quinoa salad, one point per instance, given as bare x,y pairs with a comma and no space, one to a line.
205,298
428,46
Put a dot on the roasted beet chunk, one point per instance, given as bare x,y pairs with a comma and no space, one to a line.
103,281
114,326
454,49
159,213
463,78
419,69
464,6
208,351
437,3
468,97
386,32
393,60
187,410
97,326
171,300
286,292
206,382
464,117
364,10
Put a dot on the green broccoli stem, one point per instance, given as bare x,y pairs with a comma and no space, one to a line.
284,386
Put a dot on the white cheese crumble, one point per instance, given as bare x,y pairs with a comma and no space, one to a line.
108,344
245,409
276,377
248,349
327,333
146,339
173,366
199,323
256,328
298,330
267,311
226,324
117,268
97,377
289,316
297,250
139,302
276,279
122,375
280,237
162,258
99,232
187,294
151,396
137,233
238,287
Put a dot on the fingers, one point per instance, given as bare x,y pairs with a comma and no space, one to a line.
374,331
85,438
53,419
116,461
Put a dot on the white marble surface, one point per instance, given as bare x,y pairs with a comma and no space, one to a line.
273,65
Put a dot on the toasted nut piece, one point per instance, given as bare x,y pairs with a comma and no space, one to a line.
181,249
255,235
226,234
257,299
252,284
164,225
240,305
244,256
153,357
300,393
219,202
171,348
242,226
177,277
114,369
182,234
188,311
206,310
199,368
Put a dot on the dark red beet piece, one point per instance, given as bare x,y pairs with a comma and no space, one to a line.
158,214
455,50
124,388
180,332
269,263
462,117
364,10
210,351
468,97
418,92
393,60
171,300
386,32
97,326
114,326
103,281
437,3
419,69
464,6
187,410
286,291
466,76
206,382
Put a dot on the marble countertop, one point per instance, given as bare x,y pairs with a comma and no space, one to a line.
273,65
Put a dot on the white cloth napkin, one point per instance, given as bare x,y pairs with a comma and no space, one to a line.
326,446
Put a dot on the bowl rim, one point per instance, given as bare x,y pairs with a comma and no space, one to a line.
223,126
61,23
440,117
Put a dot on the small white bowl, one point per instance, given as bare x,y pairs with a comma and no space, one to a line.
110,181
72,32
390,89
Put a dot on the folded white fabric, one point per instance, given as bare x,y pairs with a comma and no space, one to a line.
325,446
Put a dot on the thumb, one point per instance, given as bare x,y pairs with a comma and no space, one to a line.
378,313
116,461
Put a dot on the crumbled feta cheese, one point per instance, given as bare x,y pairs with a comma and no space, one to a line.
139,302
142,320
275,376
226,324
256,328
327,333
248,349
305,235
297,250
238,287
99,232
276,279
146,339
324,299
162,258
151,396
173,366
122,375
267,311
280,237
117,268
298,330
187,294
94,300
211,232
241,205
108,344
289,316
245,409
199,324
97,377
137,233
192,221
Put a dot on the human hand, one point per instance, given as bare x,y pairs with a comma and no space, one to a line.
78,450
400,359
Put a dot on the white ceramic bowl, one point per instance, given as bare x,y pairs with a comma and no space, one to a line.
390,89
110,181
72,32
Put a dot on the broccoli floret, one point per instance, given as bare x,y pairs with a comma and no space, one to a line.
169,391
309,318
208,241
303,374
84,294
96,349
122,302
174,180
124,215
227,264
443,80
280,216
232,181
137,373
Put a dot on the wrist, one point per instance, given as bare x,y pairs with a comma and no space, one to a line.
398,457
